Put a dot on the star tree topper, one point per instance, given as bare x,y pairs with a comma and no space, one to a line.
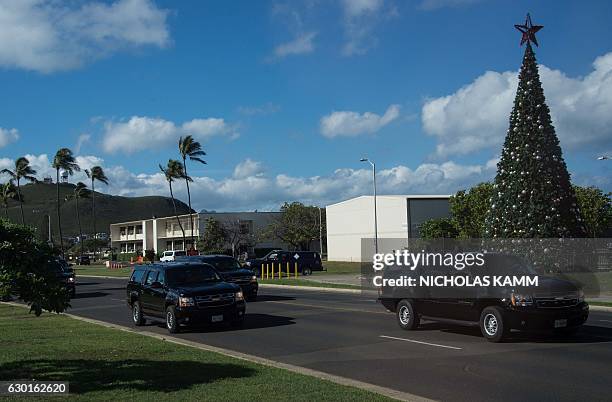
528,30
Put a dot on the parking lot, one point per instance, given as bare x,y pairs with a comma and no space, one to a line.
352,336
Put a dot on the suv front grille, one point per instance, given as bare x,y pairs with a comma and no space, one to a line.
216,300
556,302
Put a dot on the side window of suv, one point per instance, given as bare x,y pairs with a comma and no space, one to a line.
137,276
152,277
160,277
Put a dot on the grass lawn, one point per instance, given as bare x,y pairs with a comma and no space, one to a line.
341,267
107,364
599,303
101,270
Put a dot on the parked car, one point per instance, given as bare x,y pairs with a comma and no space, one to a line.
65,274
83,260
307,261
555,304
183,293
231,271
171,255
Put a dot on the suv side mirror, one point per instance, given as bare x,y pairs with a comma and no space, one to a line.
156,285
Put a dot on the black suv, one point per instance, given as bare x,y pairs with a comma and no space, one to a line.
555,304
230,270
307,261
65,274
183,294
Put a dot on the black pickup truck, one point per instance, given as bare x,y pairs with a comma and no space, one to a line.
307,262
183,294
556,304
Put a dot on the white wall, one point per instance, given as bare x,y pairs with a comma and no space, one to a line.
350,221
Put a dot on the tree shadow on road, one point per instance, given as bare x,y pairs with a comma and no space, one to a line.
267,298
87,295
251,321
88,375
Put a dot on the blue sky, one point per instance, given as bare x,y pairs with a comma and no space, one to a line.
287,96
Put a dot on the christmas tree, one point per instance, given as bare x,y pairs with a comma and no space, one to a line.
532,196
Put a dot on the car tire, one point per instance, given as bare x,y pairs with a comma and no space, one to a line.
172,324
137,316
492,324
406,314
306,271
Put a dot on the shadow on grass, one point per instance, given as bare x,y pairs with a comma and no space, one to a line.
139,375
586,334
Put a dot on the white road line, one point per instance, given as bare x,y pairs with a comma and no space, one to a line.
423,343
605,320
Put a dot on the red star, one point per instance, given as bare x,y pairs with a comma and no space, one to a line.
529,30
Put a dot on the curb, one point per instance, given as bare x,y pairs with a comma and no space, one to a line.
388,392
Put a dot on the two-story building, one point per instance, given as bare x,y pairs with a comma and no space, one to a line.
158,234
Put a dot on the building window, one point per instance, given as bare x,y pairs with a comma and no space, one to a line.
122,230
130,230
139,229
169,245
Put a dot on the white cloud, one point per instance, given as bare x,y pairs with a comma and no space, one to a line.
249,188
49,35
82,140
7,136
140,133
248,168
476,116
360,19
302,44
350,124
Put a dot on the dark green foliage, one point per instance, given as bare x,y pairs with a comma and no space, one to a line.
438,229
469,208
214,238
532,195
28,269
596,210
149,255
298,225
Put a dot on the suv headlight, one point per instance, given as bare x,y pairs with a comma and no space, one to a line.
580,296
521,300
248,263
71,279
186,301
253,278
239,296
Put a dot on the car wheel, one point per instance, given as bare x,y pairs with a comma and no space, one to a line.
492,324
407,317
306,271
171,323
137,316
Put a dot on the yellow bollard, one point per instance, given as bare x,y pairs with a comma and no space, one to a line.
262,271
272,270
296,270
287,270
267,271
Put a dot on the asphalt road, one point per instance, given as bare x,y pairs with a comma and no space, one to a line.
352,336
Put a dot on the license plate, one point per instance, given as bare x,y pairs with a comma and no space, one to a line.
217,318
560,323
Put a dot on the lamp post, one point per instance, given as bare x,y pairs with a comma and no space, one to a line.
320,233
375,214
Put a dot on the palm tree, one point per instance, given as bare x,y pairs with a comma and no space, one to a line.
96,173
175,170
80,191
23,170
8,192
189,148
63,160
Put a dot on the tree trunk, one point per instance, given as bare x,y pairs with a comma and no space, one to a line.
79,222
176,215
189,200
20,201
93,214
59,215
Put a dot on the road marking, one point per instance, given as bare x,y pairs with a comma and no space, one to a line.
605,320
423,343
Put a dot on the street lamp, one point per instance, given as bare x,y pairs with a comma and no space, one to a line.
375,215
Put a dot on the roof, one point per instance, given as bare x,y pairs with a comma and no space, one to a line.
151,219
413,197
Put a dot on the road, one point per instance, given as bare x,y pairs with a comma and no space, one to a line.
353,336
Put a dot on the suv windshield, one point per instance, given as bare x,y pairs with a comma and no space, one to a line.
191,275
226,264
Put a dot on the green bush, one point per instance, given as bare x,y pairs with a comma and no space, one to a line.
28,269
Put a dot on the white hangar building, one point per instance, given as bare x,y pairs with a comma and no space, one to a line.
399,218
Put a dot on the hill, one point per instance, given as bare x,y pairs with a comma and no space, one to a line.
41,200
